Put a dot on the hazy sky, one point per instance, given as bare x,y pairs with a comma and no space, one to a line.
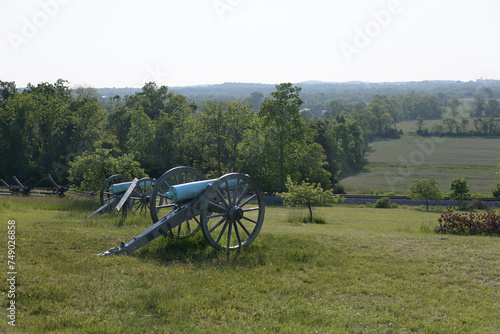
124,43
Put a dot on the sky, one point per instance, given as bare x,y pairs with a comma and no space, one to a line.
125,43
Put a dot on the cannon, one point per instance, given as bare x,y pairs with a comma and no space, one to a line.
229,210
119,192
54,189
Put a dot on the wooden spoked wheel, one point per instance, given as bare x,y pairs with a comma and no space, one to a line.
141,195
161,205
106,195
233,212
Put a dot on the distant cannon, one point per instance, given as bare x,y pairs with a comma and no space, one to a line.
229,210
19,188
119,192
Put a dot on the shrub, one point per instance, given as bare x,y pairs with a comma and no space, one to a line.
296,219
477,204
496,190
469,223
384,203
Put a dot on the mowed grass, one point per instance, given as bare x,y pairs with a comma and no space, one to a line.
365,270
393,164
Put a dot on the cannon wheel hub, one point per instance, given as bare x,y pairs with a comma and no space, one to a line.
235,213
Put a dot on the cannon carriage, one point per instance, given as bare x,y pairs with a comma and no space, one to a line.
118,192
229,210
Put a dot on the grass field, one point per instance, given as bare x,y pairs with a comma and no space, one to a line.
366,270
393,164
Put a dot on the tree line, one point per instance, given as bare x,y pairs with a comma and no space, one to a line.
79,138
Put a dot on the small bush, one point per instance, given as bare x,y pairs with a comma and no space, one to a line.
469,223
496,190
305,220
385,203
476,204
317,220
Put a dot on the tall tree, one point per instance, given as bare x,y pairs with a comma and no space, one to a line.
492,108
381,119
450,123
479,106
333,109
284,129
255,99
454,104
152,99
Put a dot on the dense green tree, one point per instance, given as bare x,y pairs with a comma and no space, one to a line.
284,131
479,106
464,124
459,190
381,119
492,108
454,104
152,99
390,105
141,139
240,119
89,171
7,90
333,109
87,119
15,161
167,147
450,123
490,125
255,99
251,159
488,92
47,124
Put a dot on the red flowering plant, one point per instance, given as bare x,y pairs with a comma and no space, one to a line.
487,223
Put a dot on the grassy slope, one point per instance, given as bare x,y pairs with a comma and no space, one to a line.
393,164
369,270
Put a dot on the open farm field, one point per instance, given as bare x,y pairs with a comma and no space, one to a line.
393,164
365,270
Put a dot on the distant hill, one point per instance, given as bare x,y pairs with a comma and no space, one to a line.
317,93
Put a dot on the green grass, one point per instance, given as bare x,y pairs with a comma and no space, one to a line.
365,270
393,164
